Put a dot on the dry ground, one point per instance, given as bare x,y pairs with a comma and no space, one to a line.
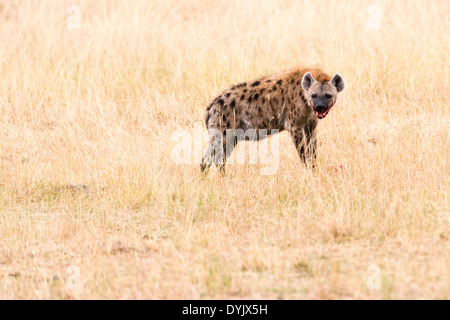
98,106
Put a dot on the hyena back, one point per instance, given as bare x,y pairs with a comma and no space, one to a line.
293,100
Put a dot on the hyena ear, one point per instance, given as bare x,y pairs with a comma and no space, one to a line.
338,82
307,81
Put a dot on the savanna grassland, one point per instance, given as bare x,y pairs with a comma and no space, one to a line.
93,205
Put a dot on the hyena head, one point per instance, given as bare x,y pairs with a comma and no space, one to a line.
321,96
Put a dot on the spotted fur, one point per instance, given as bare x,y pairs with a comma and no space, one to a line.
293,100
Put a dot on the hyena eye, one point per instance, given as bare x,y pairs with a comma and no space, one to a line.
314,96
328,96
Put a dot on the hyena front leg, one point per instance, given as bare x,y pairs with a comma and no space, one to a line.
311,142
306,143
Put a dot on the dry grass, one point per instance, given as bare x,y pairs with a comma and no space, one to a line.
98,106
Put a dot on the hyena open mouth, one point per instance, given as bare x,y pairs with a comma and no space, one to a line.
322,114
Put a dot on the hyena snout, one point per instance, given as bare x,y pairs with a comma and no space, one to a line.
320,107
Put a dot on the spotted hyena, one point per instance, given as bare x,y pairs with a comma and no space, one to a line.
293,100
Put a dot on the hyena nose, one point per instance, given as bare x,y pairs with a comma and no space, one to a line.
321,107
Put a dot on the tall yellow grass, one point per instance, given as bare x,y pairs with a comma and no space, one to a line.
97,106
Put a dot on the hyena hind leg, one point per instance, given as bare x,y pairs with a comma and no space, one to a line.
214,152
218,151
229,144
207,158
